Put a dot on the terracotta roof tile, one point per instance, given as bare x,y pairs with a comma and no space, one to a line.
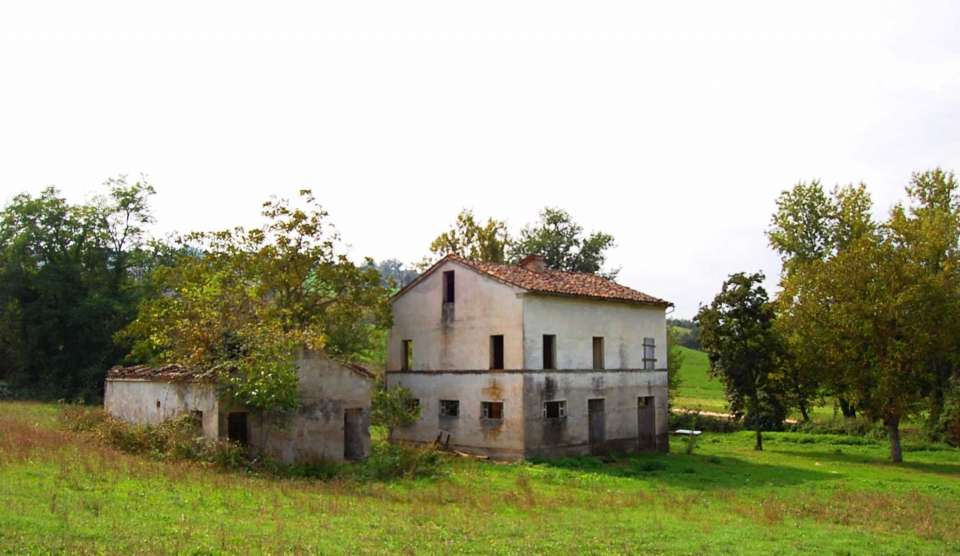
554,282
165,373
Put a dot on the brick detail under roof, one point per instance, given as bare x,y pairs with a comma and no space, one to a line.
552,282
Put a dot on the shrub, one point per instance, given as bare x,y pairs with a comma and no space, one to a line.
394,461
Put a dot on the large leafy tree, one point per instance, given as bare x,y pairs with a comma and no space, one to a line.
874,315
473,239
737,333
563,244
809,227
70,276
245,300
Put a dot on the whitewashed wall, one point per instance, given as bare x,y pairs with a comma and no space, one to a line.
483,307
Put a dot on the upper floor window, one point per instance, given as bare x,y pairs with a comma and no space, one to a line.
598,352
649,354
406,360
496,352
449,286
549,351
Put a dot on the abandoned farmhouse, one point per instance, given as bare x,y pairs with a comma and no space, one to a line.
332,421
516,361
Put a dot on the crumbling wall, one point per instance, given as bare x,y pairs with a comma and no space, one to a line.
469,431
570,434
145,402
317,429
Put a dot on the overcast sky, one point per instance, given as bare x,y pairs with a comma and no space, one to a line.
672,126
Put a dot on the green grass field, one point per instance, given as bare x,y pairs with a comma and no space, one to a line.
808,494
697,390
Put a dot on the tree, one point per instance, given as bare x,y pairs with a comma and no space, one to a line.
737,332
468,238
244,301
69,279
927,230
809,227
674,363
393,275
563,245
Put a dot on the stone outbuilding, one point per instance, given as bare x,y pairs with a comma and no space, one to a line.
331,422
517,361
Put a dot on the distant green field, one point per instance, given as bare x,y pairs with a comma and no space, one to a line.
64,493
697,390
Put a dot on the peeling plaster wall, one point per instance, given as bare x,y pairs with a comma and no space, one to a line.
468,432
315,431
483,307
575,322
620,391
150,403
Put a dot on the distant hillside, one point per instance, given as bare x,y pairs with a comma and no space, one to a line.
697,390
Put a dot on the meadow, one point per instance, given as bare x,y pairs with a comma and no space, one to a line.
64,493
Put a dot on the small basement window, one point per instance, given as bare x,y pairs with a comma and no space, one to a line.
555,409
449,408
449,287
549,351
496,352
598,352
413,404
406,361
491,410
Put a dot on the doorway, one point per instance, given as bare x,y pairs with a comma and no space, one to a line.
646,424
353,434
237,427
598,424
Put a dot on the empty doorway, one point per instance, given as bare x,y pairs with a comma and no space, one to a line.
646,424
237,427
598,424
353,434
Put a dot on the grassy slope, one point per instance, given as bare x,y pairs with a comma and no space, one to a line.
697,390
809,494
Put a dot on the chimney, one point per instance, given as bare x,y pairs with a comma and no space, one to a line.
535,263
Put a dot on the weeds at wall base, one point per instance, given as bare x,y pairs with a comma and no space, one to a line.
182,439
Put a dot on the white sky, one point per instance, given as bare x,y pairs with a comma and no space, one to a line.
672,126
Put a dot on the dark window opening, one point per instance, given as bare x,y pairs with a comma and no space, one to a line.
158,404
406,362
449,408
555,410
491,410
649,354
496,352
197,416
598,352
449,287
549,351
237,428
413,405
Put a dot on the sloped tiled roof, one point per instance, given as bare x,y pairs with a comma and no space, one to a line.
551,282
165,373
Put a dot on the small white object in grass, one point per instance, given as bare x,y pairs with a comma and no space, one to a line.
687,432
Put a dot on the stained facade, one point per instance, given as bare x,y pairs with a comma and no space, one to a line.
522,361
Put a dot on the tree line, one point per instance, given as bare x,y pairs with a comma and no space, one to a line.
867,313
83,287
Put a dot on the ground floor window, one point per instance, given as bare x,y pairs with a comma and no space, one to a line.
491,410
555,409
449,408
